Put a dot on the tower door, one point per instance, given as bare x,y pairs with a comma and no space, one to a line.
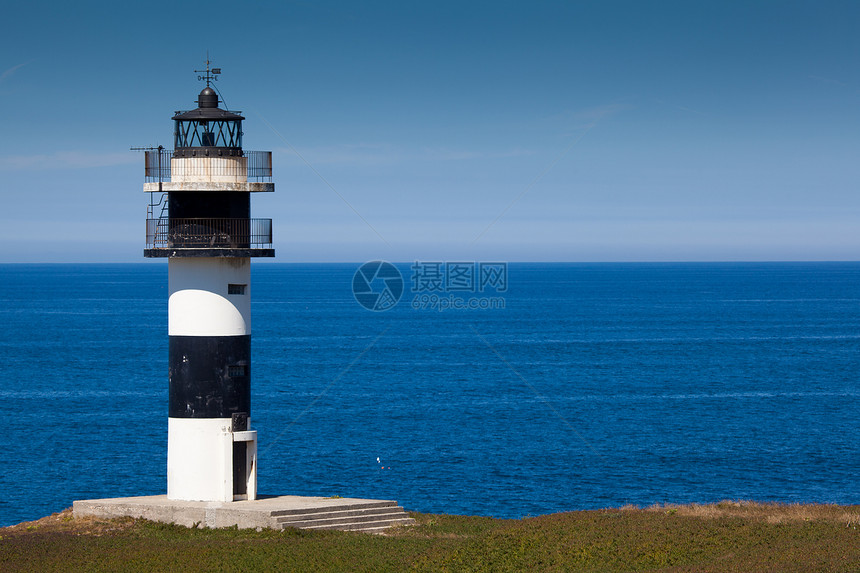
240,468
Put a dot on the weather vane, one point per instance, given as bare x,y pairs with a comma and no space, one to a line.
208,75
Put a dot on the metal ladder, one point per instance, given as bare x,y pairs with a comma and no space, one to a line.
162,226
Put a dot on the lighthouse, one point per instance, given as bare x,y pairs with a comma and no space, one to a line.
199,219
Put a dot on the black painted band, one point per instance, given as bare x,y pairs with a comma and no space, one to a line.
209,204
210,376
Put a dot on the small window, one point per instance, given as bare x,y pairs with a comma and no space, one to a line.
236,370
236,289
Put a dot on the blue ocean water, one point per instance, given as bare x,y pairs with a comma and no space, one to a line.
596,385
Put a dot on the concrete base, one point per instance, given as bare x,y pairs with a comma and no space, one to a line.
275,512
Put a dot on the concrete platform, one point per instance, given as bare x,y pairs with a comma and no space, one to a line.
275,512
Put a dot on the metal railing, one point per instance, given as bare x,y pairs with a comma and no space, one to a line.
259,166
173,233
157,165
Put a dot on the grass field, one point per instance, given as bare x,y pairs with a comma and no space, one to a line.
728,536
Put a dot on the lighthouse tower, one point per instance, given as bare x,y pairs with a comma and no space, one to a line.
200,220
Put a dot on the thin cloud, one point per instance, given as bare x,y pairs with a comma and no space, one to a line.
574,121
595,114
829,81
591,117
364,153
679,107
8,73
445,154
66,160
379,154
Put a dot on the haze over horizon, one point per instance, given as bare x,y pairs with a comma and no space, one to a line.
553,131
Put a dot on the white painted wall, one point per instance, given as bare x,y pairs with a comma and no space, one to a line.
218,169
200,459
199,304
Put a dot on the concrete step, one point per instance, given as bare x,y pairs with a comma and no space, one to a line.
346,506
317,514
373,516
354,519
366,526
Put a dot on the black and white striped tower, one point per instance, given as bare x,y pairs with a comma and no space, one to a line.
200,220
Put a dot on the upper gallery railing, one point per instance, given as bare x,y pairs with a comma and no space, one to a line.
258,166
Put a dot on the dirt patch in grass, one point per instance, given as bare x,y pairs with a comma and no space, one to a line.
849,515
65,522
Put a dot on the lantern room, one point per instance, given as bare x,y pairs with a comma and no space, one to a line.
208,130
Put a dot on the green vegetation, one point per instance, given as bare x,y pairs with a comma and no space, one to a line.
729,536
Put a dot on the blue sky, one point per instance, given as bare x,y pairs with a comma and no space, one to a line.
539,131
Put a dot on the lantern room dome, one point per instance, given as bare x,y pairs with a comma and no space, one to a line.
207,98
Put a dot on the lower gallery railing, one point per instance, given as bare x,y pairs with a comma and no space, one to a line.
169,233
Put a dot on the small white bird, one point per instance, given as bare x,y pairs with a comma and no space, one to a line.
377,460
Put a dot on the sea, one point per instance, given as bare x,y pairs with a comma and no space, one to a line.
562,387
